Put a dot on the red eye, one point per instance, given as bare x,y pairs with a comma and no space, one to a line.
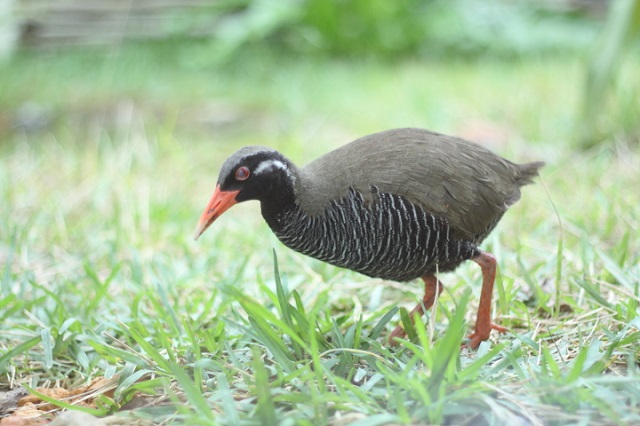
242,173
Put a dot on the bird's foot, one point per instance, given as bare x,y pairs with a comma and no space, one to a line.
481,334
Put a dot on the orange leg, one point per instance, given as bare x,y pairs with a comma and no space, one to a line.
484,325
431,286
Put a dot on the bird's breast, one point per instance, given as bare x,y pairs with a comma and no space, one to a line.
380,235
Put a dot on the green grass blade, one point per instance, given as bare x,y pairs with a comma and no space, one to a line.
408,325
474,370
273,343
578,364
5,311
47,340
266,407
447,349
231,413
167,308
129,380
283,304
379,327
193,393
137,334
549,363
265,317
594,292
21,348
616,271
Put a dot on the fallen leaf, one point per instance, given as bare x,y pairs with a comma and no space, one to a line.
55,393
26,416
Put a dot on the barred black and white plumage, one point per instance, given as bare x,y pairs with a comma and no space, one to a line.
398,205
389,238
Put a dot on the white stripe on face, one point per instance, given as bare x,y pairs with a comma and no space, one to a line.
270,164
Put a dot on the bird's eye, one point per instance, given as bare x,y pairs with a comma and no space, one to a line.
242,173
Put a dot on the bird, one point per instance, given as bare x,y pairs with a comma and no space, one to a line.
398,205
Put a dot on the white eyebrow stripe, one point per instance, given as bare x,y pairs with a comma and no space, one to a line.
269,164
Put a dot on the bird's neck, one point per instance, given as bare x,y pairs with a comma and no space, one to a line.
303,196
277,202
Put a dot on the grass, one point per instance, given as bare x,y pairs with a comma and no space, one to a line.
101,277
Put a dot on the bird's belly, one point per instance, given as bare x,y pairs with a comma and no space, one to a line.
388,238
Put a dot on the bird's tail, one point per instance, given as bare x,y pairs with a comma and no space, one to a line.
526,172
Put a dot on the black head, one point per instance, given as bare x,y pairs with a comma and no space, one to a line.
251,173
256,172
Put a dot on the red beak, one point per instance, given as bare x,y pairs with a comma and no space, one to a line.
220,202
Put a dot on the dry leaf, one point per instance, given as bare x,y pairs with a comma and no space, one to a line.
26,416
56,393
83,396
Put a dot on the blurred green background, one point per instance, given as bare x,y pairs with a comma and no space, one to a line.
339,60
